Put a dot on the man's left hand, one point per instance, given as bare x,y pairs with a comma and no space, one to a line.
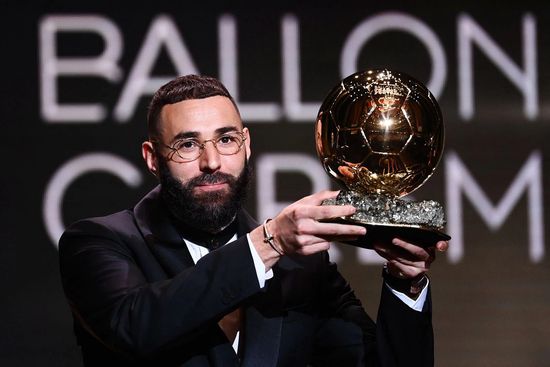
407,260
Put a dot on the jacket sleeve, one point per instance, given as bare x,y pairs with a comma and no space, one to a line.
404,336
348,336
112,298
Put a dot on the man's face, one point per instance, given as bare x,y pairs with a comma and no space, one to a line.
209,188
203,119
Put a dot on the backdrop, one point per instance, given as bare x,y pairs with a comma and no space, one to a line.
76,79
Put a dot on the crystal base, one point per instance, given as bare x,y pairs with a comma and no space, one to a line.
387,217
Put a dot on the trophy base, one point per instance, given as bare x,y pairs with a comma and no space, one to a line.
424,237
387,217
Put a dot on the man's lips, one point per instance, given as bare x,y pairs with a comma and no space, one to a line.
211,186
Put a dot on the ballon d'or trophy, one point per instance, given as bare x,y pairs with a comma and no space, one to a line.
380,134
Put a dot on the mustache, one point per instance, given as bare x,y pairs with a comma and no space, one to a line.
210,179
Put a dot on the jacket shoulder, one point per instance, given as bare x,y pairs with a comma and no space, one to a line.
112,228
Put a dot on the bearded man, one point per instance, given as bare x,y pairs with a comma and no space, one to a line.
188,278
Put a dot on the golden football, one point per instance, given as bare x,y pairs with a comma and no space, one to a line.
380,132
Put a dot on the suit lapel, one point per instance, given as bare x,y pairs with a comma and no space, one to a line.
264,320
262,339
164,242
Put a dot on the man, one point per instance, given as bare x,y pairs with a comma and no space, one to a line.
187,278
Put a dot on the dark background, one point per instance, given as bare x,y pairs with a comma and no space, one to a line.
491,305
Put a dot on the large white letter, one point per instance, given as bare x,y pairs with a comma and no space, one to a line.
293,107
470,32
52,66
229,75
459,179
70,171
163,31
402,22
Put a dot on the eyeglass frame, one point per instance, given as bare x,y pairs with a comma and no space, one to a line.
202,145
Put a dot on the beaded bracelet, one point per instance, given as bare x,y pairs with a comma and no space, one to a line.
268,238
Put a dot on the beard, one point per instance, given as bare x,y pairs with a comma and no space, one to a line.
208,211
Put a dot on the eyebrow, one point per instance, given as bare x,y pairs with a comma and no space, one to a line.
194,134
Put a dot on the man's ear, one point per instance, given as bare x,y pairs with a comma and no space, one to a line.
150,158
247,142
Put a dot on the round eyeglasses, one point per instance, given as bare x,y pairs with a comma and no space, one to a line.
188,150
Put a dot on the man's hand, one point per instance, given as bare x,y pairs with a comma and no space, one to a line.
299,228
406,260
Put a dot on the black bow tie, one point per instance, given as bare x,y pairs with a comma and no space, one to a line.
211,241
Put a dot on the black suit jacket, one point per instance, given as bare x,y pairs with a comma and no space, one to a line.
138,299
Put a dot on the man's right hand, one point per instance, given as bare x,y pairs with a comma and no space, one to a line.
301,228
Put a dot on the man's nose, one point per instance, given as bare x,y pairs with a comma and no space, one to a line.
210,158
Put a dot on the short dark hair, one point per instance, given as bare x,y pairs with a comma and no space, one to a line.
180,89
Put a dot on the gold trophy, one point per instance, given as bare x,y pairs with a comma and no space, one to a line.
380,133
